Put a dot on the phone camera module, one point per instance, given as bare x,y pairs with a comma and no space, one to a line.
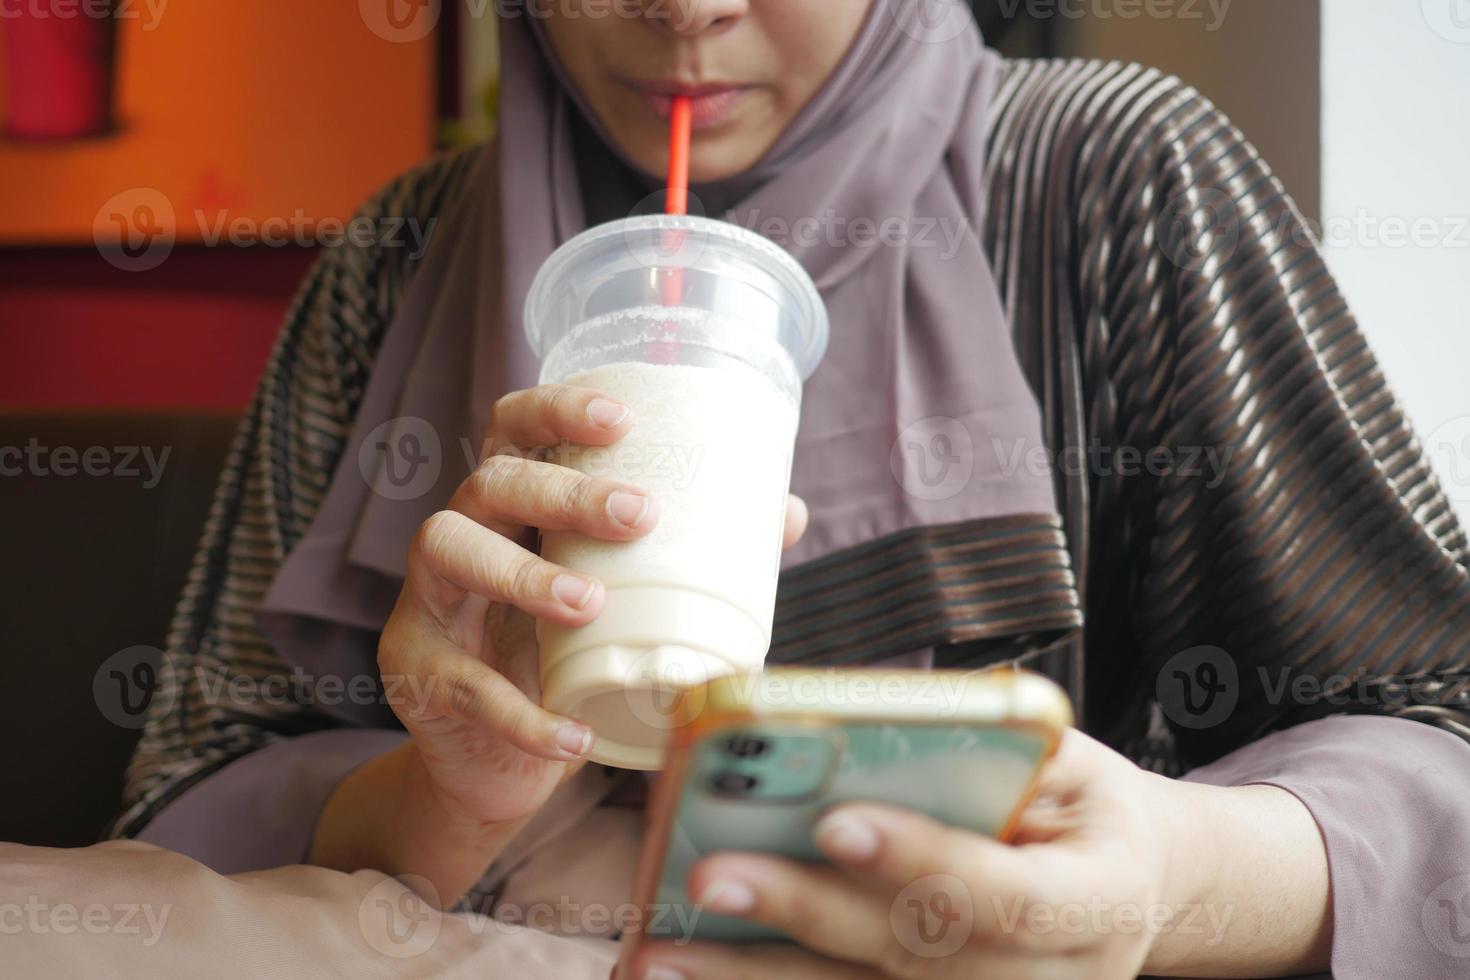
746,746
733,783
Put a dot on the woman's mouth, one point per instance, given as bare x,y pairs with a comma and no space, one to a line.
709,104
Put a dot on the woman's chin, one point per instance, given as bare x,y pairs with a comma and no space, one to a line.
711,163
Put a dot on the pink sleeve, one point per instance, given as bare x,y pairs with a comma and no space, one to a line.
260,811
1390,798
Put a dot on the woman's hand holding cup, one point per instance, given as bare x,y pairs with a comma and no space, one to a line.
461,636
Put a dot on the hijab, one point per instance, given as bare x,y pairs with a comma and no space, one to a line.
918,418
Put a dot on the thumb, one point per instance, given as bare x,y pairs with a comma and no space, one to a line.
796,521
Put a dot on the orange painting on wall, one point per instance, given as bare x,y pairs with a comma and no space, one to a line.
267,114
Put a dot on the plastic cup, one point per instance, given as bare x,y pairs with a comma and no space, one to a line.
706,332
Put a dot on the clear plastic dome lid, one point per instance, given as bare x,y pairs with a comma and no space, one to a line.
692,264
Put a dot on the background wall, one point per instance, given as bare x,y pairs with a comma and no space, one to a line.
79,334
1256,59
126,142
1396,203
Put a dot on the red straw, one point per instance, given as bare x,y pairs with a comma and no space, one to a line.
677,198
676,201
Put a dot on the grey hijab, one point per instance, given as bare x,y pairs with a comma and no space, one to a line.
919,416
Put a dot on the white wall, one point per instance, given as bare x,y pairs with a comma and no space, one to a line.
1396,203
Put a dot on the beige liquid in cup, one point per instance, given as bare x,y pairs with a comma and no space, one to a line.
714,446
706,332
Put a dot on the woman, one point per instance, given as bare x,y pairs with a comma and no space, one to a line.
1317,547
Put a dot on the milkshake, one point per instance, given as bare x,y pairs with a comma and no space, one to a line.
714,385
714,446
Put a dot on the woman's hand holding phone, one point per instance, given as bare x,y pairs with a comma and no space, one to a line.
1112,872
907,897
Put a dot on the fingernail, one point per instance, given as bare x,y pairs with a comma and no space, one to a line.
606,413
728,897
844,837
576,739
660,972
628,509
573,591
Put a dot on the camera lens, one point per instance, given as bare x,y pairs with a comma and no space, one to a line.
733,783
746,746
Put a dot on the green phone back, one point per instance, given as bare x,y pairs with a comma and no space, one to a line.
762,787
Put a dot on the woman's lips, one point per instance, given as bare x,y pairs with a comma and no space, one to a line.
709,105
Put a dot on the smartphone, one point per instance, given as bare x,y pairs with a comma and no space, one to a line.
755,760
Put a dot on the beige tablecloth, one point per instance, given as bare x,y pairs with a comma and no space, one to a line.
126,909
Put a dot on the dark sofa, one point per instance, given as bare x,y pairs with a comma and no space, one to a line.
94,553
